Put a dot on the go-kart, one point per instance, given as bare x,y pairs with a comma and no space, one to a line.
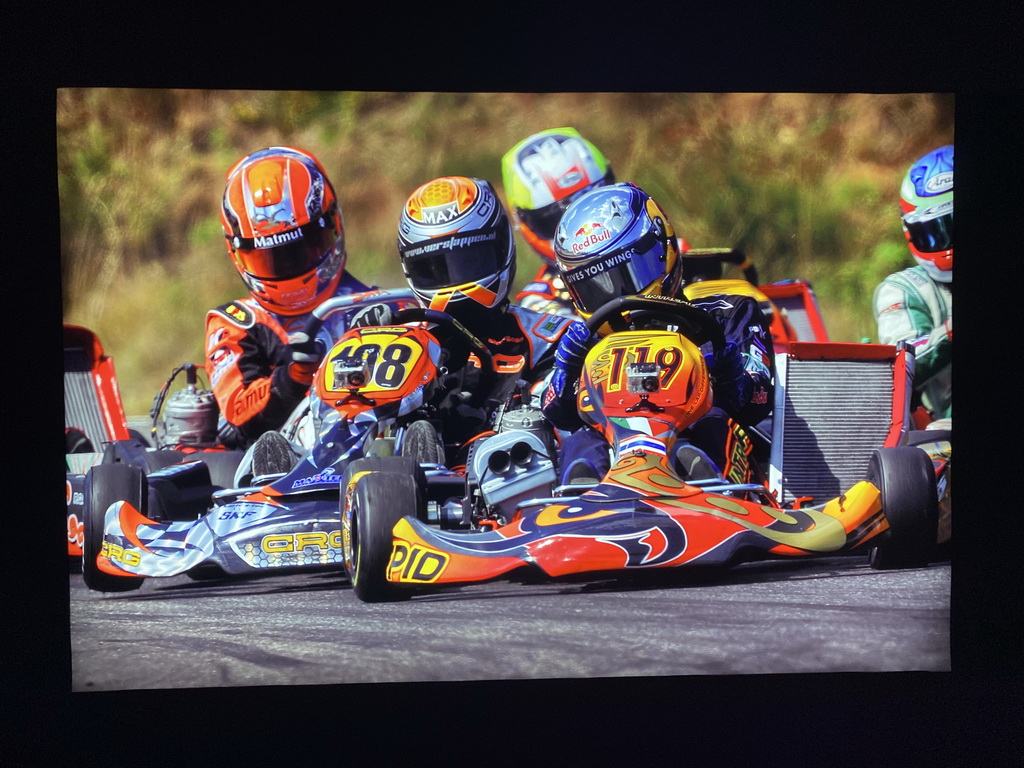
158,511
404,532
98,432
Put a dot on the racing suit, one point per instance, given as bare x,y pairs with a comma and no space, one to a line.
247,360
909,306
745,399
522,343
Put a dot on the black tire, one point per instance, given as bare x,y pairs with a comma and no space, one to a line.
105,484
76,441
379,500
420,443
272,455
906,478
161,458
206,572
222,466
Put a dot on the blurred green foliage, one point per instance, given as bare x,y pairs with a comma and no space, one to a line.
806,184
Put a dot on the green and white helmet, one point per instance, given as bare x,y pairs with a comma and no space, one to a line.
543,174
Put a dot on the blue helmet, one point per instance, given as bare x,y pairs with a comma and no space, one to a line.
926,205
616,241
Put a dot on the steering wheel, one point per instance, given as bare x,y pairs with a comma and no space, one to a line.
694,323
352,301
459,342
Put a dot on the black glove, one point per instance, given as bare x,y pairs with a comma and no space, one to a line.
306,356
375,314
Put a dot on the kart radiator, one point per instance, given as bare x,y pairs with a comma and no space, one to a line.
796,300
834,404
81,406
796,314
91,400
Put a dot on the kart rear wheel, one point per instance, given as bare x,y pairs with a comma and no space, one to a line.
378,501
105,484
161,458
222,466
906,478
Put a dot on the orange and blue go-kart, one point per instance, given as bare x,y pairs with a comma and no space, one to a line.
142,521
401,536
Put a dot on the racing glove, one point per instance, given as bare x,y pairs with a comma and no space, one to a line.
569,357
730,383
558,402
375,314
306,356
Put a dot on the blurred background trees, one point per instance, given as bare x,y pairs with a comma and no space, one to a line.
807,184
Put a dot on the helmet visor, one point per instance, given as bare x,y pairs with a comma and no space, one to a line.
626,272
456,259
286,254
930,235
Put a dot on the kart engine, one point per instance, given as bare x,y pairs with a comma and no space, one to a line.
515,464
190,417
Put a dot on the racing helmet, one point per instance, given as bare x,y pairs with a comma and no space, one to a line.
926,207
616,241
456,245
284,229
543,174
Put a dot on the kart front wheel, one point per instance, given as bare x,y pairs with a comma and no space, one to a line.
906,479
369,511
105,484
421,444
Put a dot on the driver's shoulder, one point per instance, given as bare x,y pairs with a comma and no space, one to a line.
539,325
242,313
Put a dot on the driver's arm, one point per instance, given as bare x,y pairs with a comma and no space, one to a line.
902,314
248,366
747,394
558,403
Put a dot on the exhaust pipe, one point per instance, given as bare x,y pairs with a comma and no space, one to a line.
499,462
520,454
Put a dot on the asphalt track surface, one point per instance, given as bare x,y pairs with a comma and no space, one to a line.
786,616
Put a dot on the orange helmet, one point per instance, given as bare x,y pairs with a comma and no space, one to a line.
284,229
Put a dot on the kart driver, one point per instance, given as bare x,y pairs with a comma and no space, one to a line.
915,305
741,375
458,255
283,228
542,175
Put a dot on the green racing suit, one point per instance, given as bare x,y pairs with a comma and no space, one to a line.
909,306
